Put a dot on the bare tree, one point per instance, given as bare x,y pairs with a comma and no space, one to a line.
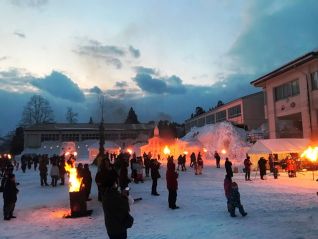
37,111
71,117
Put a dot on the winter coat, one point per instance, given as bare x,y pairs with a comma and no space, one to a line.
123,177
200,161
116,209
227,187
43,169
193,158
262,165
228,168
10,192
290,165
247,164
235,198
87,178
54,171
155,170
171,176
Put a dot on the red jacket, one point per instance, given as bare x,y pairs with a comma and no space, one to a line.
171,176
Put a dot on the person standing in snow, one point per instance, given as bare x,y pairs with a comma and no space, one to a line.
228,167
235,201
54,174
227,190
172,183
262,167
10,192
184,160
116,211
179,162
217,159
155,165
247,165
87,181
43,172
192,159
199,164
62,170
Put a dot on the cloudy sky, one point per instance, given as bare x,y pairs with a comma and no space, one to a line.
164,57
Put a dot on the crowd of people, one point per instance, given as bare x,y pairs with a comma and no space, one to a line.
113,180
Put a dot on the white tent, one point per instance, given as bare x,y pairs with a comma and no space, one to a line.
279,146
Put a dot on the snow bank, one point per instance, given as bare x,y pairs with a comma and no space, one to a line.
218,137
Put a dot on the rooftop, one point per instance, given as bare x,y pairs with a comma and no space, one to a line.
87,126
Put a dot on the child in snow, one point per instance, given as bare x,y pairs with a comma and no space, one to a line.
235,201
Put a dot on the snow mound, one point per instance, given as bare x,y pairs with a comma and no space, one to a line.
218,137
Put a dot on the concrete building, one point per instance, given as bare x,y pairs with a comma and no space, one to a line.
246,111
291,102
35,135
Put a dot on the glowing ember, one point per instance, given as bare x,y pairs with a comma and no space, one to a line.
74,181
166,150
311,153
223,151
129,151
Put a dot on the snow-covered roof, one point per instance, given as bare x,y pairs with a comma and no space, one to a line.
279,146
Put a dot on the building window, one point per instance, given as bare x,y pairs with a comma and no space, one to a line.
287,90
201,122
234,111
90,136
314,80
49,137
210,119
221,116
70,137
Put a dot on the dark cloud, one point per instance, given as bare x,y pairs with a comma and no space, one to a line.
145,70
19,34
159,85
95,90
111,55
29,3
59,85
134,52
121,84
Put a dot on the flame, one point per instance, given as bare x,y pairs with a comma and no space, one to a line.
166,150
205,150
75,154
310,153
74,181
223,151
129,151
185,152
9,156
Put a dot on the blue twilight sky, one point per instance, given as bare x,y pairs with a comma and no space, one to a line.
164,58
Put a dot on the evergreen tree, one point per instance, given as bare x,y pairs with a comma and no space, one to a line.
17,142
132,117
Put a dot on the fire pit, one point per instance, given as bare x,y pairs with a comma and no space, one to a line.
77,194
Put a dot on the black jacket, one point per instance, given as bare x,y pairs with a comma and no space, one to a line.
10,192
155,170
116,209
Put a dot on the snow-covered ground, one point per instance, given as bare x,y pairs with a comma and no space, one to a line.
283,208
